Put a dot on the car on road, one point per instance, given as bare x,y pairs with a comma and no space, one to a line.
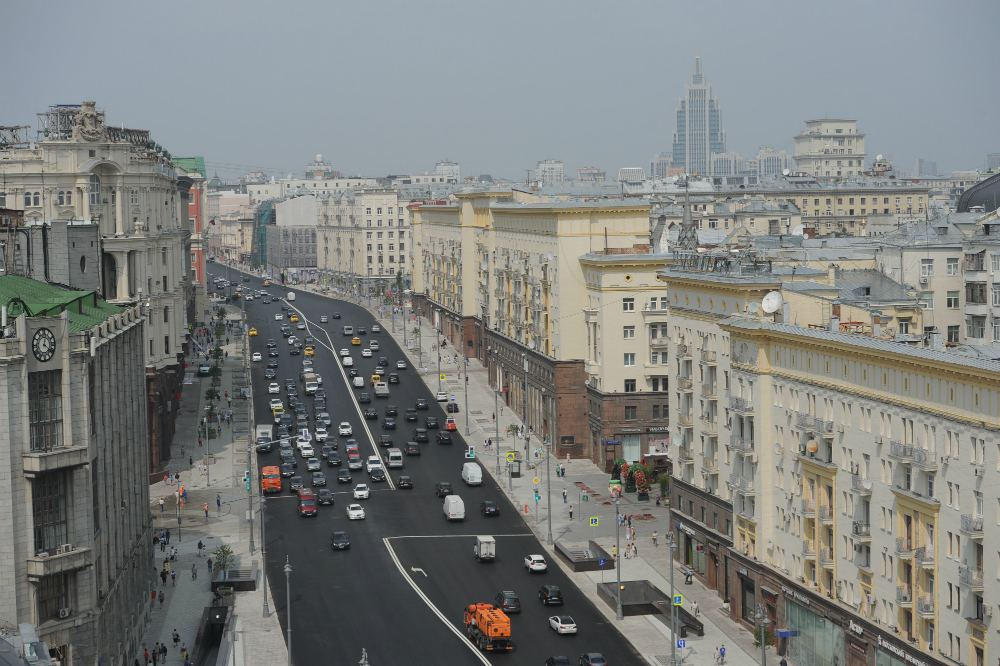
405,482
355,512
273,387
441,396
269,373
378,372
385,440
411,414
550,595
354,461
301,326
393,378
377,474
272,353
271,343
558,661
362,330
562,624
309,351
421,404
345,429
444,437
321,434
367,353
431,422
451,408
442,488
489,508
295,484
295,351
324,496
412,449
336,315
323,319
278,316
345,352
376,328
449,423
355,340
593,659
401,365
535,563
275,403
253,332
388,423
307,451
325,452
294,318
361,491
507,601
312,464
373,461
382,362
319,478
287,470
373,345
272,363
420,435
204,369
333,459
371,414
323,419
340,541
391,410
364,397
344,476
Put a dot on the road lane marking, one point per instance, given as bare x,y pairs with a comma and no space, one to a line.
462,637
416,569
350,391
455,536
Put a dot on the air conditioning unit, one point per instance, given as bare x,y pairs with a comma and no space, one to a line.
840,428
980,471
66,548
924,280
64,613
987,610
945,460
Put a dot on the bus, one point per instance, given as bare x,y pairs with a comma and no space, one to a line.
270,481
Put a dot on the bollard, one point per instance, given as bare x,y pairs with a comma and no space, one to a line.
525,509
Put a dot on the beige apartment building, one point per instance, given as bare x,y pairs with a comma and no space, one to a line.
830,148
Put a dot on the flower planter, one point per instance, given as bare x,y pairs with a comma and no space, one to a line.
643,497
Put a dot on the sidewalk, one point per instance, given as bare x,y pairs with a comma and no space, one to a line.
650,634
260,638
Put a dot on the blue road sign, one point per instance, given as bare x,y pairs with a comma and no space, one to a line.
602,562
681,643
593,522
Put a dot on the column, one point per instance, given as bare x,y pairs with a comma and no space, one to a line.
121,211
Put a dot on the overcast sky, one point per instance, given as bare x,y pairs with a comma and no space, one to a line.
394,87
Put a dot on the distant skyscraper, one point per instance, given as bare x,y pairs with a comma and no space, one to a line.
699,125
549,172
925,168
993,161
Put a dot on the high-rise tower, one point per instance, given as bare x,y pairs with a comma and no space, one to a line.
699,125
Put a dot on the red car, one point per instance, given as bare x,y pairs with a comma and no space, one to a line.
307,503
449,424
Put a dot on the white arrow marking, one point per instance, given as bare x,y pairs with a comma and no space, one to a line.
415,569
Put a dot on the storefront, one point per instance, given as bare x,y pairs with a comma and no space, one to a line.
705,553
815,639
746,595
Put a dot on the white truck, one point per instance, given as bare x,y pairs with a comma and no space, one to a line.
454,508
381,390
485,549
309,379
472,474
291,295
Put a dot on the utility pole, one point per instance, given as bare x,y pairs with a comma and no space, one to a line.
761,617
288,608
619,615
250,447
672,544
466,395
549,440
527,430
437,337
263,554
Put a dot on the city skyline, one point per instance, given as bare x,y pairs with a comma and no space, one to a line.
452,94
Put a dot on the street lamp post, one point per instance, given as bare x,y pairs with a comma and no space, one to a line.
527,430
548,472
288,608
619,615
438,338
466,395
263,554
672,545
763,620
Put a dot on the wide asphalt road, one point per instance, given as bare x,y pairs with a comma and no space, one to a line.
400,590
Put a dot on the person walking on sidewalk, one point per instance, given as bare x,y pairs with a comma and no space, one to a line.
163,646
173,579
176,636
156,651
161,505
655,544
571,512
209,565
722,654
206,512
716,655
163,576
564,495
194,571
218,502
184,651
200,546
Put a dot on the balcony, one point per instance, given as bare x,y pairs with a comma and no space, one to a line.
39,462
741,405
66,559
685,419
742,445
861,531
809,508
708,426
683,351
659,342
741,484
972,525
684,383
904,596
811,458
900,451
977,309
825,557
813,424
924,459
971,578
808,549
924,556
685,454
861,485
825,513
711,465
925,605
707,356
709,390
904,547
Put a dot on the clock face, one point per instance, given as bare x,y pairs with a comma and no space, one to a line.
43,345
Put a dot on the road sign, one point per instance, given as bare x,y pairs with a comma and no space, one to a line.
681,643
593,521
678,600
511,456
601,562
536,480
453,397
443,377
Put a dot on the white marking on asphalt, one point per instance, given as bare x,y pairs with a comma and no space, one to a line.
416,569
462,637
455,536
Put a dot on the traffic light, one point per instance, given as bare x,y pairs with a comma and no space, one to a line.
537,496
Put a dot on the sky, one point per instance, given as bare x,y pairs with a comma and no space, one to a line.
394,87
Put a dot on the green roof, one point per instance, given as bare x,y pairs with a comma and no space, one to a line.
41,299
190,164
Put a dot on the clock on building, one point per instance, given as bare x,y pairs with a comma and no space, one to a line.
43,345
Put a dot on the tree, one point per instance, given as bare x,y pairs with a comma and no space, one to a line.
664,486
511,430
769,636
224,559
211,394
221,314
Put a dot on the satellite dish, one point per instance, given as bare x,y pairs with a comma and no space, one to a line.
879,157
777,449
772,302
785,172
812,446
550,255
888,271
770,545
857,597
798,231
867,483
753,308
531,344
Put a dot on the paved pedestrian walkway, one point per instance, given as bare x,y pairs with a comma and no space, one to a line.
260,641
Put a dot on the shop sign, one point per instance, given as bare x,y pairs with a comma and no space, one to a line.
900,652
856,628
630,430
789,592
857,646
770,596
687,530
658,429
713,545
744,572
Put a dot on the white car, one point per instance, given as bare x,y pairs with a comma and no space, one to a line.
367,353
345,429
307,450
249,297
276,402
355,512
348,362
274,388
373,461
345,352
535,563
562,624
401,365
324,319
292,339
441,396
319,380
256,357
376,329
373,345
278,316
321,434
304,436
361,491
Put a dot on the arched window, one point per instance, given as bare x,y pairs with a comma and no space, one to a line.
69,197
27,199
95,190
62,198
37,199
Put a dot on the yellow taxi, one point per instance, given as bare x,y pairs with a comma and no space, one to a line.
375,378
309,351
355,340
267,283
294,318
278,411
253,331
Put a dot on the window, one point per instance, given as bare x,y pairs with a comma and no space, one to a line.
95,190
628,304
163,256
3,199
953,300
629,359
166,315
48,506
630,386
628,332
926,268
631,413
656,412
45,409
27,199
952,263
928,299
166,344
52,595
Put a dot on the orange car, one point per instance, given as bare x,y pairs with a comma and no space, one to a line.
449,423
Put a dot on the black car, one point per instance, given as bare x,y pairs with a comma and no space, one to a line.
451,408
421,403
420,435
246,278
319,479
289,382
362,330
295,484
388,424
411,414
353,372
393,378
385,440
319,405
431,422
336,315
558,661
272,352
344,476
593,659
383,361
339,541
325,452
271,343
301,422
295,350
309,340
324,496
405,482
364,397
289,459
270,373
292,390
390,410
444,437
320,392
287,470
272,363
285,421
323,419
286,332
550,594
333,460
489,508
412,449
507,601
371,414
443,488
378,474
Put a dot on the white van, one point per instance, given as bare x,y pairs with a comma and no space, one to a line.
395,458
454,508
291,295
359,382
472,474
348,330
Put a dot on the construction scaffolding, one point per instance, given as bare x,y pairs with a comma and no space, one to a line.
14,137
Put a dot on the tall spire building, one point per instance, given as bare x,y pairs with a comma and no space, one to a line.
699,125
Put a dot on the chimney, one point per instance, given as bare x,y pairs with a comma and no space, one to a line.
937,342
834,324
831,274
786,313
876,324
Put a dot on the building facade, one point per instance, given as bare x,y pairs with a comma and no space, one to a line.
830,148
549,173
699,130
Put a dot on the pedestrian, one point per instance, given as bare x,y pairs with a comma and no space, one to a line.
494,417
206,511
161,599
182,450
156,648
218,502
635,550
145,657
194,571
204,551
571,512
782,662
176,636
501,410
199,441
716,656
614,551
163,576
168,536
655,544
163,646
200,546
210,565
695,608
564,495
184,651
166,480
722,654
190,461
173,579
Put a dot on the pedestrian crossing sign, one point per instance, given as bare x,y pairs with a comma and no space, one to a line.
678,600
593,522
511,456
